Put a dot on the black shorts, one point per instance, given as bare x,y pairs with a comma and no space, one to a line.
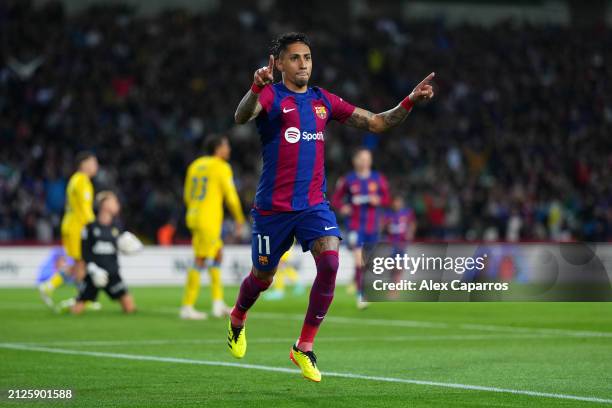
115,288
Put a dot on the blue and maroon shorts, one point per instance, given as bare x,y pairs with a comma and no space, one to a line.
273,234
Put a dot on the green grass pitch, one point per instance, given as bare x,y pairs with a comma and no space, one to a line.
391,355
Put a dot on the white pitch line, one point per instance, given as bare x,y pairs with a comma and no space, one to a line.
292,371
384,322
439,325
551,331
452,337
337,319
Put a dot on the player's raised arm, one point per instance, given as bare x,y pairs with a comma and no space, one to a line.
381,122
249,107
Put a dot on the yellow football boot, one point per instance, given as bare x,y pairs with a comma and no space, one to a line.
307,361
236,340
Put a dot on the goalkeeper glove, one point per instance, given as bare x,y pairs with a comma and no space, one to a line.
99,276
128,243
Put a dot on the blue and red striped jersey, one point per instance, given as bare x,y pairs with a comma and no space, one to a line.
398,224
357,192
291,126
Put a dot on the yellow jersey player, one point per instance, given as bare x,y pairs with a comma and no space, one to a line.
286,272
78,213
208,183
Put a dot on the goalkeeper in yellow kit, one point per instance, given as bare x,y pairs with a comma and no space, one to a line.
208,183
78,213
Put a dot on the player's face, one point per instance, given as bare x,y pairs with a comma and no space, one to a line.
112,205
90,166
296,64
224,150
362,161
398,203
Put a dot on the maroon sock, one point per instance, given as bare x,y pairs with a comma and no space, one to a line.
250,289
321,296
359,279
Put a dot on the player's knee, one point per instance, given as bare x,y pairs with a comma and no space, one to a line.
266,276
127,302
198,263
129,309
219,258
327,265
78,308
328,260
358,258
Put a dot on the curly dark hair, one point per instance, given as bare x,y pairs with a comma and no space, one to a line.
82,156
212,142
280,43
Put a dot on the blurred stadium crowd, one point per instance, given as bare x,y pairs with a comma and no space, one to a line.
515,146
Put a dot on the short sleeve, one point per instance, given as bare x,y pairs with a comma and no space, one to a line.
341,110
266,98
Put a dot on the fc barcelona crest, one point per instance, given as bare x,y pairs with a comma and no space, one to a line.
321,112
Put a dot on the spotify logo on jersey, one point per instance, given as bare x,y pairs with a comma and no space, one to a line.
292,135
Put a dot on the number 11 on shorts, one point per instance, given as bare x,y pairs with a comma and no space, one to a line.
265,239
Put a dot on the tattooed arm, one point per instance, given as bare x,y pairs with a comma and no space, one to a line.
248,108
381,122
377,122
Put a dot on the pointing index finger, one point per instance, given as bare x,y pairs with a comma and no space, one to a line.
271,63
426,80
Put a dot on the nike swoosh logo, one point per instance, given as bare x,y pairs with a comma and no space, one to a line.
288,110
319,317
329,228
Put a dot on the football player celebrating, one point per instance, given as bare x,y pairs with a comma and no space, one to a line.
360,196
209,182
290,201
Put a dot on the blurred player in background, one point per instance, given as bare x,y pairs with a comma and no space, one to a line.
290,202
286,273
78,213
56,263
400,225
208,183
360,196
100,255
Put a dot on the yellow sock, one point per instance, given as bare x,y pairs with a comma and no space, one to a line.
216,287
56,280
279,280
192,287
291,274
